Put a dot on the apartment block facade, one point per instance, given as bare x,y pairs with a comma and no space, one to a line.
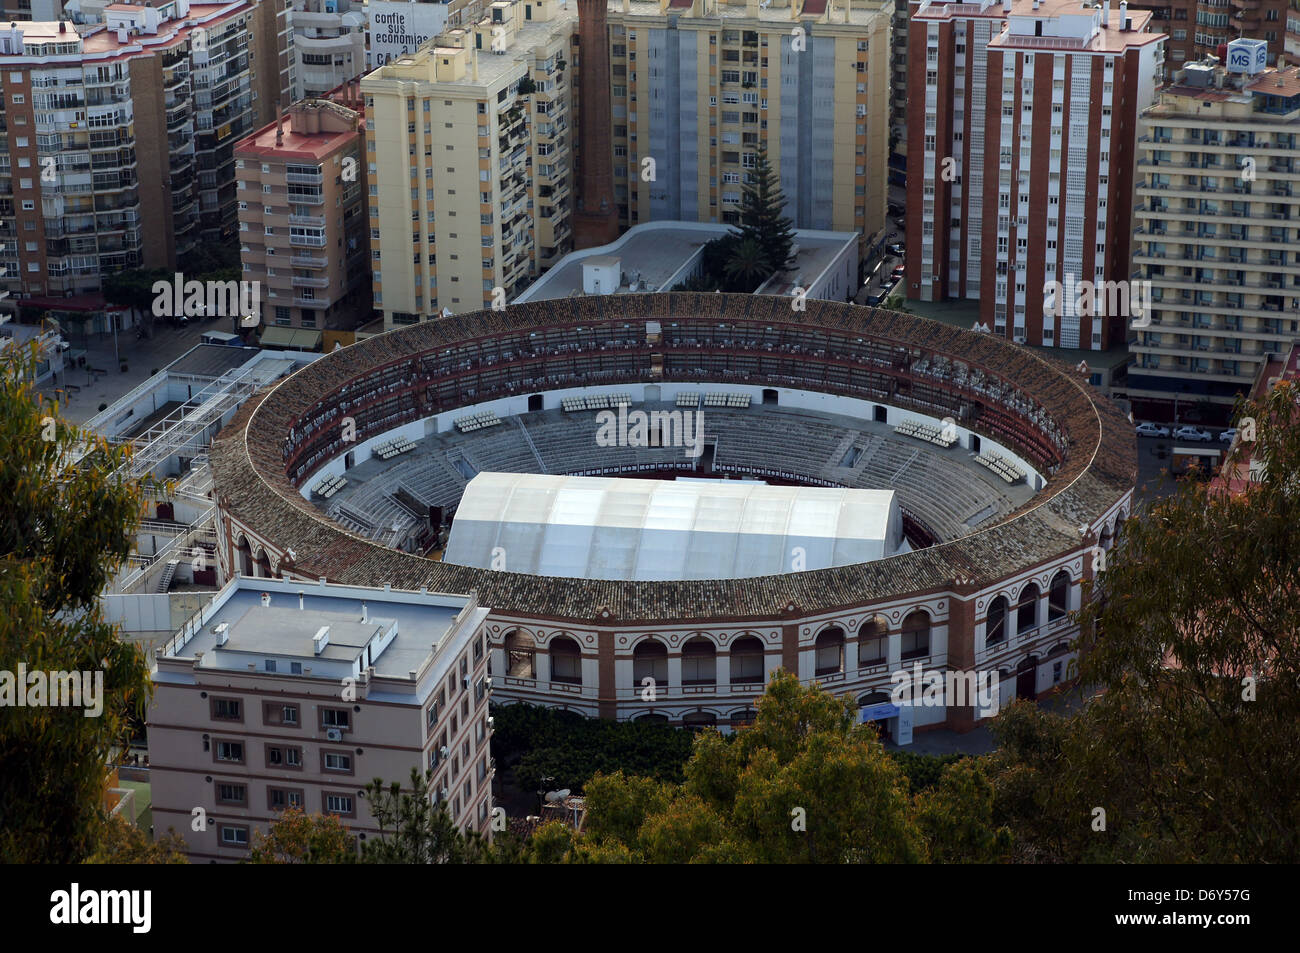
1022,126
281,695
117,143
1218,233
698,85
329,45
468,166
303,228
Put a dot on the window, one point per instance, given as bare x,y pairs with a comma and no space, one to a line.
746,661
650,660
566,661
232,793
340,804
281,799
232,836
1058,596
1027,609
275,713
830,651
336,761
995,626
283,756
915,641
232,751
339,718
699,658
873,642
227,709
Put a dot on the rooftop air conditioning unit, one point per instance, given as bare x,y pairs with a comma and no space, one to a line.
333,734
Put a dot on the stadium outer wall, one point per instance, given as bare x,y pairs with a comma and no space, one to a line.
588,645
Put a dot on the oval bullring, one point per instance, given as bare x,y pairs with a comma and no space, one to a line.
993,592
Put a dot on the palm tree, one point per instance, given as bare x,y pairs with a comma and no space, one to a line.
748,265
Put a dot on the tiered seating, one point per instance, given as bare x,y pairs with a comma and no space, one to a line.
688,400
327,487
1001,466
393,448
595,402
477,421
726,400
926,432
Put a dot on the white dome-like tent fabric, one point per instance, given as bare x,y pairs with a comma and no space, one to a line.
611,528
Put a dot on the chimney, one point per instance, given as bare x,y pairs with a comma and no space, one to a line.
1123,14
63,26
266,599
279,125
223,634
595,217
320,639
300,600
474,63
365,616
1105,16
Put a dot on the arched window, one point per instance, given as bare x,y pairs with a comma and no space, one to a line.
746,661
1027,608
521,655
995,627
653,717
566,660
699,662
650,660
915,641
744,716
699,719
1058,597
873,642
830,651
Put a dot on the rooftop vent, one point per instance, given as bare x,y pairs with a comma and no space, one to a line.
222,632
320,639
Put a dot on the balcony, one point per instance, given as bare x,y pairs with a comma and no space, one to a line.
311,302
299,281
317,221
300,178
308,261
307,241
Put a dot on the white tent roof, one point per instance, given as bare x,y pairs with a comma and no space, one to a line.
612,528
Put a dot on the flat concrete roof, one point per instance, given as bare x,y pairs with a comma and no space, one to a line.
276,630
211,360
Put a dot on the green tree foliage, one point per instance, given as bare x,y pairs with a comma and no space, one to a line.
1189,747
762,215
804,784
414,830
67,524
133,289
570,748
748,264
297,838
121,842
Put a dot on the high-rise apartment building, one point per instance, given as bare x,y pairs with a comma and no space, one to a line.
329,44
1199,28
303,229
117,143
469,163
1218,233
1022,125
1179,20
698,85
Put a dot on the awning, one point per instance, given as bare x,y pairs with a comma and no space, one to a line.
292,339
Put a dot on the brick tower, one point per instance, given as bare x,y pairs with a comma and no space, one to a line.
595,218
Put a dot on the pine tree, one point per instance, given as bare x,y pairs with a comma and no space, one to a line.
762,215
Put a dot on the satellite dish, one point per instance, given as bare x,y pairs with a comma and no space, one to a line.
555,797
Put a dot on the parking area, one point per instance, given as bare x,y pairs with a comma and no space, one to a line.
886,279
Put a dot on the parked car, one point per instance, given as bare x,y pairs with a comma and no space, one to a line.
898,272
895,208
876,300
1193,433
1228,435
1152,430
896,249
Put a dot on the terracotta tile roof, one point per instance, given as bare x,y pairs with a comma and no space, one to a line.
1095,467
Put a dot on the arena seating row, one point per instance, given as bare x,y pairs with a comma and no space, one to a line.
393,448
927,432
739,401
327,487
1001,466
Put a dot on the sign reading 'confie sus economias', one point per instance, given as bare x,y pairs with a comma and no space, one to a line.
398,27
